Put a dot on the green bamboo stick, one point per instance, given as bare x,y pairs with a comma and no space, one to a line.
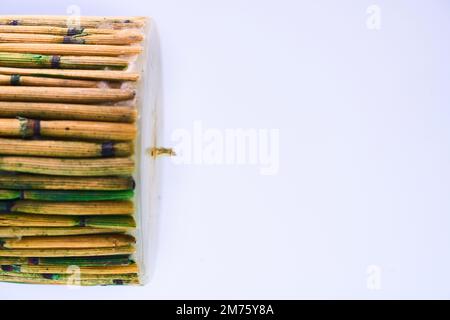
9,195
62,196
14,232
96,261
84,280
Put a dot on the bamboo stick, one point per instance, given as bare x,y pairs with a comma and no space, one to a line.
54,30
68,167
72,49
27,60
60,280
69,242
75,95
73,208
24,181
55,111
38,253
119,38
67,129
94,261
111,223
18,80
64,149
85,22
107,75
14,232
65,195
49,269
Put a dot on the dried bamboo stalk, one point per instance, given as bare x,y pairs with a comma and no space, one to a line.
44,195
85,22
66,280
49,269
68,167
26,60
73,208
72,49
54,30
107,75
64,149
69,242
119,38
88,130
55,111
94,261
14,232
53,221
38,253
75,95
18,80
38,182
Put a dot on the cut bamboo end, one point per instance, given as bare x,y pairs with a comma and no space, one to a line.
74,95
106,75
71,49
69,279
64,149
43,195
55,111
89,130
69,242
18,80
112,223
73,208
68,167
49,269
119,38
38,253
42,182
94,261
14,232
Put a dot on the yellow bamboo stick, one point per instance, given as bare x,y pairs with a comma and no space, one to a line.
89,252
17,80
85,280
68,167
14,232
35,220
54,30
72,49
74,208
85,22
58,111
48,269
75,95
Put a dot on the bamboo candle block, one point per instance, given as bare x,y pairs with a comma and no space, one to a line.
69,242
56,111
14,232
64,149
50,221
119,38
89,130
18,80
85,22
75,95
44,195
49,269
38,253
68,167
41,182
72,49
94,261
68,279
73,208
27,60
106,75
62,31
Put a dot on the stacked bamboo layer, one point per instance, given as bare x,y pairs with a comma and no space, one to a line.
67,142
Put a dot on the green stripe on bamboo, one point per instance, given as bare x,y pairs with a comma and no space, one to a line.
57,111
68,167
64,149
116,222
65,195
41,182
69,95
38,253
26,60
50,269
18,80
14,232
89,130
71,208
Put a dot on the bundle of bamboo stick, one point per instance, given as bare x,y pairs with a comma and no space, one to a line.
67,147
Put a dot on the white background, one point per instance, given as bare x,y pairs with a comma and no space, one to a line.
364,149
